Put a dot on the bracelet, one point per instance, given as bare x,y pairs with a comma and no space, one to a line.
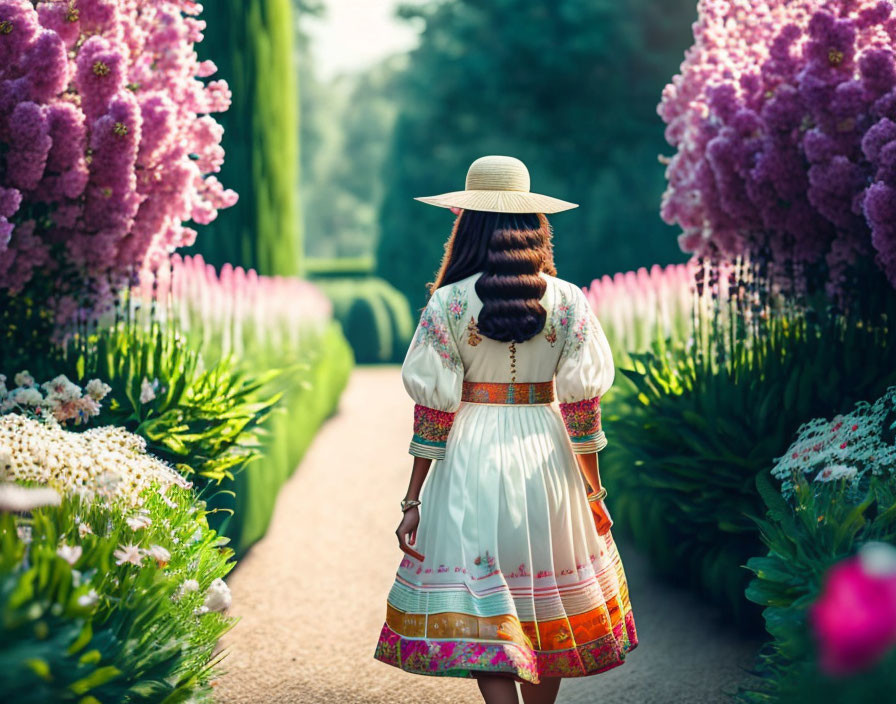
599,496
409,503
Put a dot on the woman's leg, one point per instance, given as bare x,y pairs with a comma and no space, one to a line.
544,693
496,689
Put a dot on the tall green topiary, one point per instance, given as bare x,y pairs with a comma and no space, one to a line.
252,43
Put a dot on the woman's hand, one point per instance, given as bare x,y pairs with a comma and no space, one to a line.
602,520
407,529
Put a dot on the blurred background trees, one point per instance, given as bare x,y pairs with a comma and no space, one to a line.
569,87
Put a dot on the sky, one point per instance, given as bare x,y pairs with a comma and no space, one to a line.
355,34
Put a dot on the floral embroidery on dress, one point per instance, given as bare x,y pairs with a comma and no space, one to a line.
582,419
473,336
457,303
485,563
559,319
576,338
433,330
431,426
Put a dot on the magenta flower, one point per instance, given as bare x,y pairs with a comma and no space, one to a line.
854,618
104,127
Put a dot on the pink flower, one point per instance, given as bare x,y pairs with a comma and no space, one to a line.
781,118
854,617
103,127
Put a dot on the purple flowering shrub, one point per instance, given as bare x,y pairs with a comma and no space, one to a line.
106,144
784,120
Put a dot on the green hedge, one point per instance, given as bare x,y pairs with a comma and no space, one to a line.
695,432
375,315
310,395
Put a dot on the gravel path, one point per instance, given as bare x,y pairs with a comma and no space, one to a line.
311,596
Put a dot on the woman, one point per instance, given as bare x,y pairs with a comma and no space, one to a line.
506,576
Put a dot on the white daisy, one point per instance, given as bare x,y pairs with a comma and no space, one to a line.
159,554
20,498
70,553
89,599
218,597
147,393
141,520
128,553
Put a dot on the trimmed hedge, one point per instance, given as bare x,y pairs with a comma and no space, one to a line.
311,394
375,316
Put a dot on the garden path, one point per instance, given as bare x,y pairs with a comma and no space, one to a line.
311,595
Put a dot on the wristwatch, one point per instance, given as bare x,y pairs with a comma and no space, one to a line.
409,503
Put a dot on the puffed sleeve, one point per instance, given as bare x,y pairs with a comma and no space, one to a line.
433,375
585,372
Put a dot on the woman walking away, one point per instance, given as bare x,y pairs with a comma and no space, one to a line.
510,571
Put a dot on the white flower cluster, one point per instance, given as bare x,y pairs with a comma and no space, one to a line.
148,390
105,462
849,447
134,554
217,597
62,398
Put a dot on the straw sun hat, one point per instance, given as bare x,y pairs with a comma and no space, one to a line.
498,184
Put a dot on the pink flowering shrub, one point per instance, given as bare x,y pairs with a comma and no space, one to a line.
234,310
784,121
634,306
106,144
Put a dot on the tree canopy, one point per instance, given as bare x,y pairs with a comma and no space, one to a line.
571,88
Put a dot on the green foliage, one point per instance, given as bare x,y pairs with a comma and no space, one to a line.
26,330
374,315
95,631
804,540
204,421
571,88
697,430
803,683
252,43
311,392
320,267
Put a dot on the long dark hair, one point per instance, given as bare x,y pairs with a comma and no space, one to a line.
510,249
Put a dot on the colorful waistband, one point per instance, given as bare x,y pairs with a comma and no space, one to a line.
522,392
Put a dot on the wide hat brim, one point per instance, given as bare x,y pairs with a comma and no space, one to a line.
499,201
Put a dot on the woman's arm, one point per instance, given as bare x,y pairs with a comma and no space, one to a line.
407,529
418,474
588,465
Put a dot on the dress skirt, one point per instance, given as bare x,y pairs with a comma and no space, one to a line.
515,578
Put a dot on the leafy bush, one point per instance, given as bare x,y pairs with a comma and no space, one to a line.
707,418
203,420
813,521
279,324
78,624
311,392
114,593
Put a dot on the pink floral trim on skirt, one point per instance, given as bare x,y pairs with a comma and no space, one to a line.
460,658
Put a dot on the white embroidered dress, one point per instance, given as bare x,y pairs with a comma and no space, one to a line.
515,577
